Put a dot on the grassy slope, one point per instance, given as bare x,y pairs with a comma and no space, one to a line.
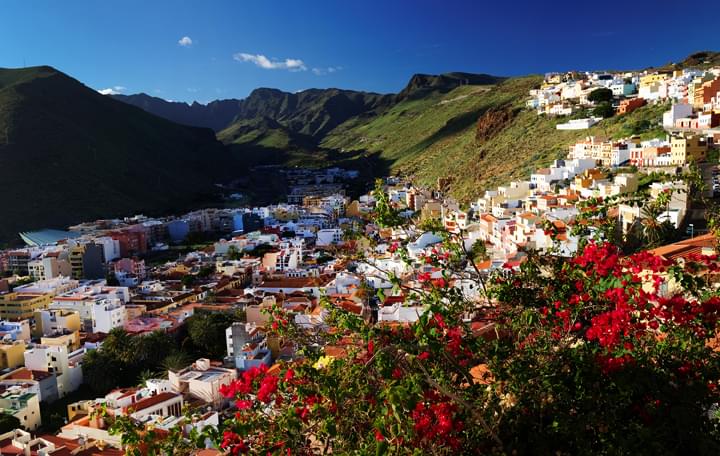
435,137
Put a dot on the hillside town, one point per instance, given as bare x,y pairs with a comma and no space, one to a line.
65,293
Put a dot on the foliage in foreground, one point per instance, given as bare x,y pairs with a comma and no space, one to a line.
598,354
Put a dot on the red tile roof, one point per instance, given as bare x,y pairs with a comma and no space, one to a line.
685,248
153,400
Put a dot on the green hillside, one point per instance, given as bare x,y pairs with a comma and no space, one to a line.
437,136
69,154
471,128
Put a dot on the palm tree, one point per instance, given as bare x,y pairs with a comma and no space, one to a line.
656,232
146,375
176,361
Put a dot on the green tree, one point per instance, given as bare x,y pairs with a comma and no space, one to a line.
206,271
385,214
600,95
8,423
478,251
150,350
207,332
119,345
176,361
111,279
188,280
604,110
101,372
233,253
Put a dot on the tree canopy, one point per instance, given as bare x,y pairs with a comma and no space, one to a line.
600,95
604,110
207,332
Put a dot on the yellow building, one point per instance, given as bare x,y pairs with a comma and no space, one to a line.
12,354
652,79
52,321
75,257
431,210
80,408
687,148
19,306
588,177
68,339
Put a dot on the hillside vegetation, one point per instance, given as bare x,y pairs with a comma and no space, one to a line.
471,128
478,136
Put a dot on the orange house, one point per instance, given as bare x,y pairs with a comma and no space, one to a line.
630,105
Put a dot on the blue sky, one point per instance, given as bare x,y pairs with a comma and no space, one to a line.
235,46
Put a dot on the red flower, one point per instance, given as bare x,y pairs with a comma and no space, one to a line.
378,436
268,387
423,356
440,283
302,412
243,404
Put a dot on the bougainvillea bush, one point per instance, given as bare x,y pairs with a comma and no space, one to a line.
596,354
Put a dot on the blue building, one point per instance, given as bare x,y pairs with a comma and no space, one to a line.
178,230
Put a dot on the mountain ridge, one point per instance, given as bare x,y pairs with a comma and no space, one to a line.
299,108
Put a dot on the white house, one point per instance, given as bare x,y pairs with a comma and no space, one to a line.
101,308
677,111
329,236
55,359
578,124
20,398
202,380
399,313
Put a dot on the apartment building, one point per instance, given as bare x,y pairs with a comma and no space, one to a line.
12,354
17,306
55,359
686,148
20,398
101,307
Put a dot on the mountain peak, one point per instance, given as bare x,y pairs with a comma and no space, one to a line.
420,84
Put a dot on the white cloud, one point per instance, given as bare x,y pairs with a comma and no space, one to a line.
326,70
185,41
271,64
116,90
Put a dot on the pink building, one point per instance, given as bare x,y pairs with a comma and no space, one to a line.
132,266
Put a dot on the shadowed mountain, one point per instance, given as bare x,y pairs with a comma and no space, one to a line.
216,115
69,154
